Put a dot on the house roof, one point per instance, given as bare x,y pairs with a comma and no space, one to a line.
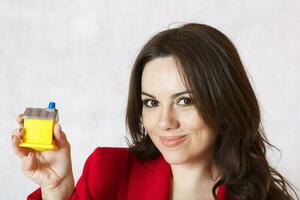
40,113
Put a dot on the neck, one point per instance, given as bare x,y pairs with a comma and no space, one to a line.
194,177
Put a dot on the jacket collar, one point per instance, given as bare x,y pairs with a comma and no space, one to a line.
152,179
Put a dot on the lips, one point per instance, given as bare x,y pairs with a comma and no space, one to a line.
172,141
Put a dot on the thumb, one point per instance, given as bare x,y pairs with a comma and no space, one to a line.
29,165
60,137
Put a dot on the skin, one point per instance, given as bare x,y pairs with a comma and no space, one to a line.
51,170
167,116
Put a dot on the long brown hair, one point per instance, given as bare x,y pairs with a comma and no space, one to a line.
211,68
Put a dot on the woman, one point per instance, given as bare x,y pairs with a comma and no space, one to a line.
194,126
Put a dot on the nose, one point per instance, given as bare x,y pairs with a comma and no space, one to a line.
167,119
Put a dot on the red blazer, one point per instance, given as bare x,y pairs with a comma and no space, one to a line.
116,174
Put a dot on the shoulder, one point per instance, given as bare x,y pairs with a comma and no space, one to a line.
112,157
123,156
111,153
222,193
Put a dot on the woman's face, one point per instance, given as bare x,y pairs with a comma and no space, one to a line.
169,116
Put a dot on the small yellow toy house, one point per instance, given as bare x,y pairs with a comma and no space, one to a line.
38,127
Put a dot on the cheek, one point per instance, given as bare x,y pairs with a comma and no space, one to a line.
149,120
192,121
203,135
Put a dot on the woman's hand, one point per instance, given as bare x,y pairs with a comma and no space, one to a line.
52,169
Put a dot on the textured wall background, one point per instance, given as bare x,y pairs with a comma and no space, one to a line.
79,54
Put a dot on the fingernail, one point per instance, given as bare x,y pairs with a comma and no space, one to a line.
29,155
20,117
14,138
59,127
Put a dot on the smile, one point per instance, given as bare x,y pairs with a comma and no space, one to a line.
172,141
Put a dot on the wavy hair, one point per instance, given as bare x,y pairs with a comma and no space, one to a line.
211,68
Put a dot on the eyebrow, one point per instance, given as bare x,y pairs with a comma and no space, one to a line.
173,95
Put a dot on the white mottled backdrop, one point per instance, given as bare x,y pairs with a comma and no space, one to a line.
80,53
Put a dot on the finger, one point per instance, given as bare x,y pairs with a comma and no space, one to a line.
29,164
20,120
19,132
60,137
16,139
19,151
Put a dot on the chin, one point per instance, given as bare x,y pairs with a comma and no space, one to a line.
174,158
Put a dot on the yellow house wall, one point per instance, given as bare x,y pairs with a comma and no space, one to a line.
38,131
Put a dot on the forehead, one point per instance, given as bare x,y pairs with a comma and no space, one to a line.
161,75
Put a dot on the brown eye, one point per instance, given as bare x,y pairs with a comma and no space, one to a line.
185,101
149,103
